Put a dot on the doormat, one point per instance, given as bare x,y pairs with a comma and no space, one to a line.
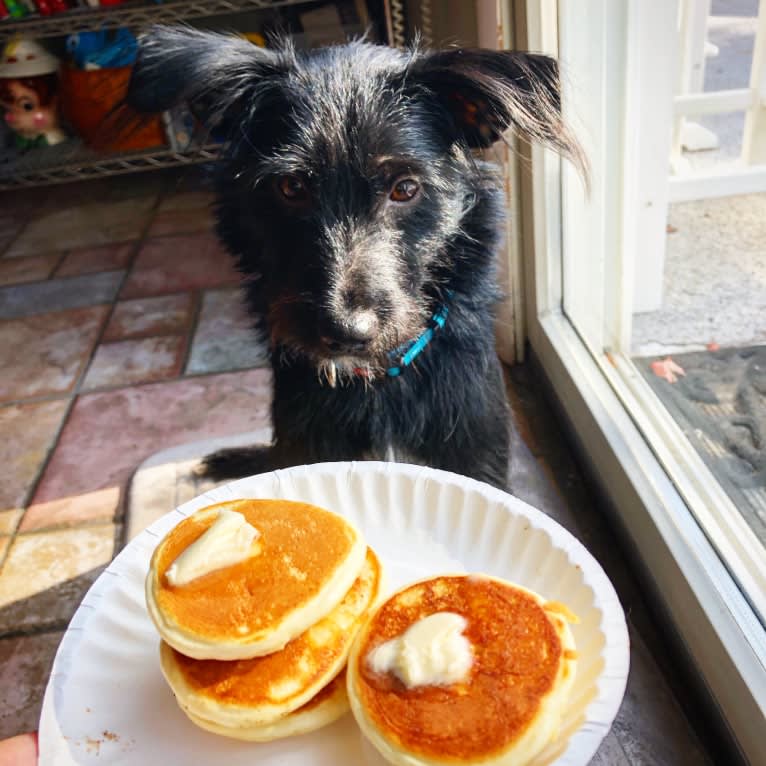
718,398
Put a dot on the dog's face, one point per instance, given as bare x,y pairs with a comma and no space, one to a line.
348,174
340,197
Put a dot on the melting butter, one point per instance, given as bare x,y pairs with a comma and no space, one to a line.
227,541
432,652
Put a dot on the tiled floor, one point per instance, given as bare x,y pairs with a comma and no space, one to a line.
108,291
121,334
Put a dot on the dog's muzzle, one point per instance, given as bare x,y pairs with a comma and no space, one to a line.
352,334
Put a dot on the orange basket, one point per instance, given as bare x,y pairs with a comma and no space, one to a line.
88,103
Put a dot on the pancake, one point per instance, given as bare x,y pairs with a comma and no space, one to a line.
505,709
241,694
307,559
325,708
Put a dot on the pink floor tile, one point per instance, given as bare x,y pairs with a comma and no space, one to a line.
45,575
27,432
182,221
11,222
25,664
141,317
224,338
92,259
8,522
109,434
139,187
175,264
140,360
188,200
85,225
44,354
13,271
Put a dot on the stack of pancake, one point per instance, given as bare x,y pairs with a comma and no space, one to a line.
278,639
256,649
462,669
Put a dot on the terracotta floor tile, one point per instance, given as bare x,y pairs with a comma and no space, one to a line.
72,509
109,434
140,360
194,179
93,259
175,264
17,270
224,338
86,225
11,221
187,200
59,294
46,574
182,221
8,521
144,187
45,354
165,315
27,432
10,227
24,201
25,664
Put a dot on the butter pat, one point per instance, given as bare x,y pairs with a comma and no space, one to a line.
227,541
432,652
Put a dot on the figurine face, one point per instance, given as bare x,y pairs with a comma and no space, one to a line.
24,113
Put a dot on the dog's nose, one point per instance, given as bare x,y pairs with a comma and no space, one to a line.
352,333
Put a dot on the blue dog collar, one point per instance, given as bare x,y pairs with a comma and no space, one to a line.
411,350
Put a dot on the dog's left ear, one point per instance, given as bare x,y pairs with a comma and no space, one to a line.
486,92
217,74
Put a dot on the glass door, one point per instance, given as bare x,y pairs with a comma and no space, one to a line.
675,430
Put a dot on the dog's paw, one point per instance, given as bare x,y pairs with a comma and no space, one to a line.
234,463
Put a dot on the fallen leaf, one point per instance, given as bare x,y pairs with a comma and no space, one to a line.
670,229
667,369
713,346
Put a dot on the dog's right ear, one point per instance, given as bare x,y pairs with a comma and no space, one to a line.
485,92
213,72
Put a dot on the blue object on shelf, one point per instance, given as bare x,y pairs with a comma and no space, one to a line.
103,48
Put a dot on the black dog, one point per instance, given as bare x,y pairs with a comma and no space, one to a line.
366,231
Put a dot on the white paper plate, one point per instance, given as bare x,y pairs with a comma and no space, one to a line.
107,702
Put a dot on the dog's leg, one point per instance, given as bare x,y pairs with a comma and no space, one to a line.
486,462
492,467
474,440
236,462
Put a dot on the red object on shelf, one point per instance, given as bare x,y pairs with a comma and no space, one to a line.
111,2
49,7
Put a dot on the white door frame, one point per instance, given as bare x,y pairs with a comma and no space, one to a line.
715,623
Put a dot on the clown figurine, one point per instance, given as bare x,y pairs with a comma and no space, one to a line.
28,94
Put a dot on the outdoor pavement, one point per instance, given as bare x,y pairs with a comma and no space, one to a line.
714,280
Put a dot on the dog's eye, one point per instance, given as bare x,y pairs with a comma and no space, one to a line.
404,190
293,189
